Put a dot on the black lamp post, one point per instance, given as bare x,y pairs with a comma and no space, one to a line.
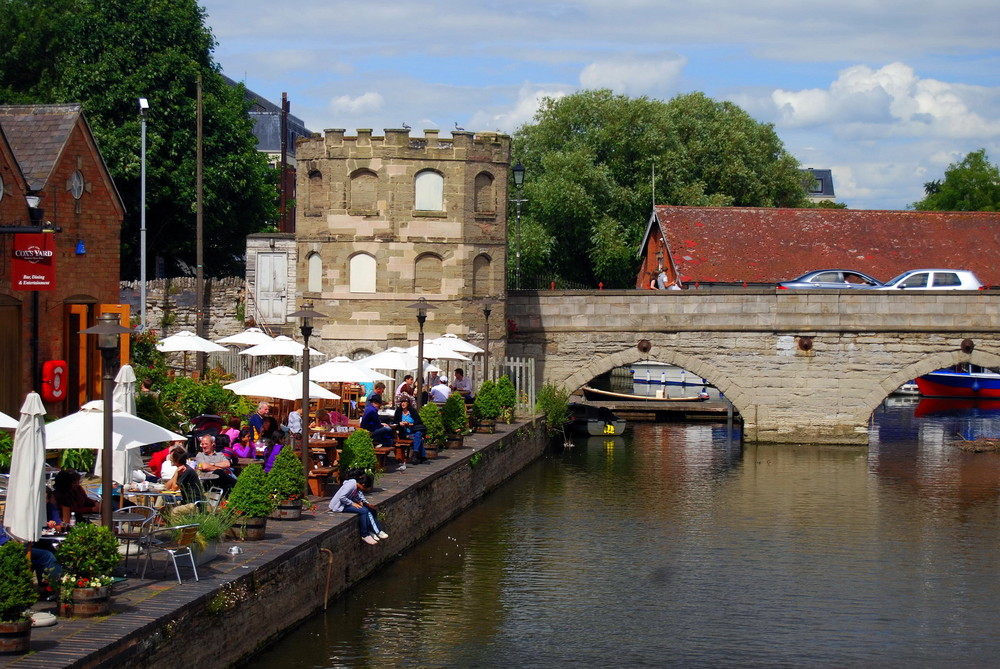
487,305
421,305
518,171
108,332
307,314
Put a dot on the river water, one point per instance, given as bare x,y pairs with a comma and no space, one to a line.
675,546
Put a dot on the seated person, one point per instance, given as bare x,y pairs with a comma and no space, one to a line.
71,497
233,429
323,420
256,419
440,392
271,429
243,447
462,385
271,450
378,389
184,479
371,421
42,561
156,462
411,427
293,424
405,390
212,462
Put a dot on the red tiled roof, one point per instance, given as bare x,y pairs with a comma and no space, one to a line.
37,135
757,245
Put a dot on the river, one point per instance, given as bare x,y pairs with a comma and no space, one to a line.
674,546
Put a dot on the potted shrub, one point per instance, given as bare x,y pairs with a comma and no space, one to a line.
507,398
287,481
455,420
358,453
486,408
17,594
212,528
250,503
88,557
435,435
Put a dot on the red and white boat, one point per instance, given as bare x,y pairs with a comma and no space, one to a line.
964,381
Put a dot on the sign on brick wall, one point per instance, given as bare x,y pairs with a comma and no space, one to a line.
34,262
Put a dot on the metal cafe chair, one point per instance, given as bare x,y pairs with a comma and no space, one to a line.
177,543
136,532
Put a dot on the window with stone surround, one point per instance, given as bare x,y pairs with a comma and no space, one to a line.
315,193
364,192
486,200
427,274
315,267
428,191
362,273
481,275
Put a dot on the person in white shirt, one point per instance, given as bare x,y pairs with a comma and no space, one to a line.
462,385
440,392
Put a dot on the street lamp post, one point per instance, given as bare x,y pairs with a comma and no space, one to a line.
518,171
108,331
307,314
143,106
487,305
421,306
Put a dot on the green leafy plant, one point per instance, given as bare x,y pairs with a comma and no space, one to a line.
453,414
487,404
147,362
430,415
89,551
212,525
358,453
507,397
475,460
6,451
183,398
17,585
150,407
553,402
286,480
80,459
250,497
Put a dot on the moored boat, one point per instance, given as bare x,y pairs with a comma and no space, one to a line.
595,394
965,381
588,420
657,380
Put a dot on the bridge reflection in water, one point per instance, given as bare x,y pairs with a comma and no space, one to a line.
670,547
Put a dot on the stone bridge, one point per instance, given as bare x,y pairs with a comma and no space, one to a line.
799,366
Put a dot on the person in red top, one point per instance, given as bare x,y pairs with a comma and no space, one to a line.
157,460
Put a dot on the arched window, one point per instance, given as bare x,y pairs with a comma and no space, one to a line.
364,191
427,274
315,192
486,201
314,283
363,273
481,267
429,191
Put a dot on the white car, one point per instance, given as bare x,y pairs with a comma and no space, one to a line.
933,279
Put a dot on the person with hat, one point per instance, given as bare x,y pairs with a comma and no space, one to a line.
440,392
372,421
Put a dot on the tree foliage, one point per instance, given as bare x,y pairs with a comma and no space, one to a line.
973,184
106,54
590,159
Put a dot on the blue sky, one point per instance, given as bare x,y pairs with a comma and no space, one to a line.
885,94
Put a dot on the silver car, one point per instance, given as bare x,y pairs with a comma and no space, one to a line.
836,279
934,279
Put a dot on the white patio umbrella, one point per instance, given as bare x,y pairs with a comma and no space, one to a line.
282,383
455,343
25,512
124,461
438,352
187,342
6,422
393,357
249,337
85,429
281,345
344,370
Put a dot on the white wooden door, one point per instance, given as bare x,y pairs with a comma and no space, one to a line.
272,286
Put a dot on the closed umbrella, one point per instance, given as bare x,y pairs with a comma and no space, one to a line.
6,422
281,345
249,337
124,461
282,383
456,343
344,370
25,512
85,429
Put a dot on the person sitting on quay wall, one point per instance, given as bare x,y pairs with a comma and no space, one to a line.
372,421
209,461
410,427
350,498
462,385
440,392
71,496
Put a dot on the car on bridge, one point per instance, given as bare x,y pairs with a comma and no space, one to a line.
933,279
835,279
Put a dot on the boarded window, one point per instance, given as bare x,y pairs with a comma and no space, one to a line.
481,278
427,274
486,201
363,273
315,283
316,195
364,191
429,193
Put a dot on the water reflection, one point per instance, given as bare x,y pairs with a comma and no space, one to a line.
670,547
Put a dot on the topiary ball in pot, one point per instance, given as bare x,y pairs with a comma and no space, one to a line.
250,497
358,453
287,479
17,584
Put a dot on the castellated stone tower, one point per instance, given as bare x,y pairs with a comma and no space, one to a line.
384,221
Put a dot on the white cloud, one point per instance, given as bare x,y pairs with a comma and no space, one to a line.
365,103
634,74
509,118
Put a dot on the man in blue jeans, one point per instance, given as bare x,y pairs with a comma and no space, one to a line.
372,421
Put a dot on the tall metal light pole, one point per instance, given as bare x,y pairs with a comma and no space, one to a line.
421,305
307,314
518,184
143,106
108,332
487,308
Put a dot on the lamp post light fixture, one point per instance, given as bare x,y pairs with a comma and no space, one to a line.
143,106
518,171
487,305
307,314
421,305
108,331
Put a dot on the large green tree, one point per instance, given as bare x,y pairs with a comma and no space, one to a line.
590,159
106,54
973,184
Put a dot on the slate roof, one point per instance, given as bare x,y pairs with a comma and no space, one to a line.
37,135
822,187
758,245
266,118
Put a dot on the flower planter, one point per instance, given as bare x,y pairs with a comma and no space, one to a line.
206,554
289,509
87,603
455,441
15,637
486,426
249,529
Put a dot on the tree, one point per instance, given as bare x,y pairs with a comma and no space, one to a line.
970,185
590,160
106,54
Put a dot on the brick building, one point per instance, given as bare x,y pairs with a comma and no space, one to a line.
48,152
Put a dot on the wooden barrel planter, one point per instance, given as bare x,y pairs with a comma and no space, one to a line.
89,602
486,426
432,451
15,637
249,529
290,509
454,441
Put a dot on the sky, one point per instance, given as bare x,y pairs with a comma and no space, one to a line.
887,94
